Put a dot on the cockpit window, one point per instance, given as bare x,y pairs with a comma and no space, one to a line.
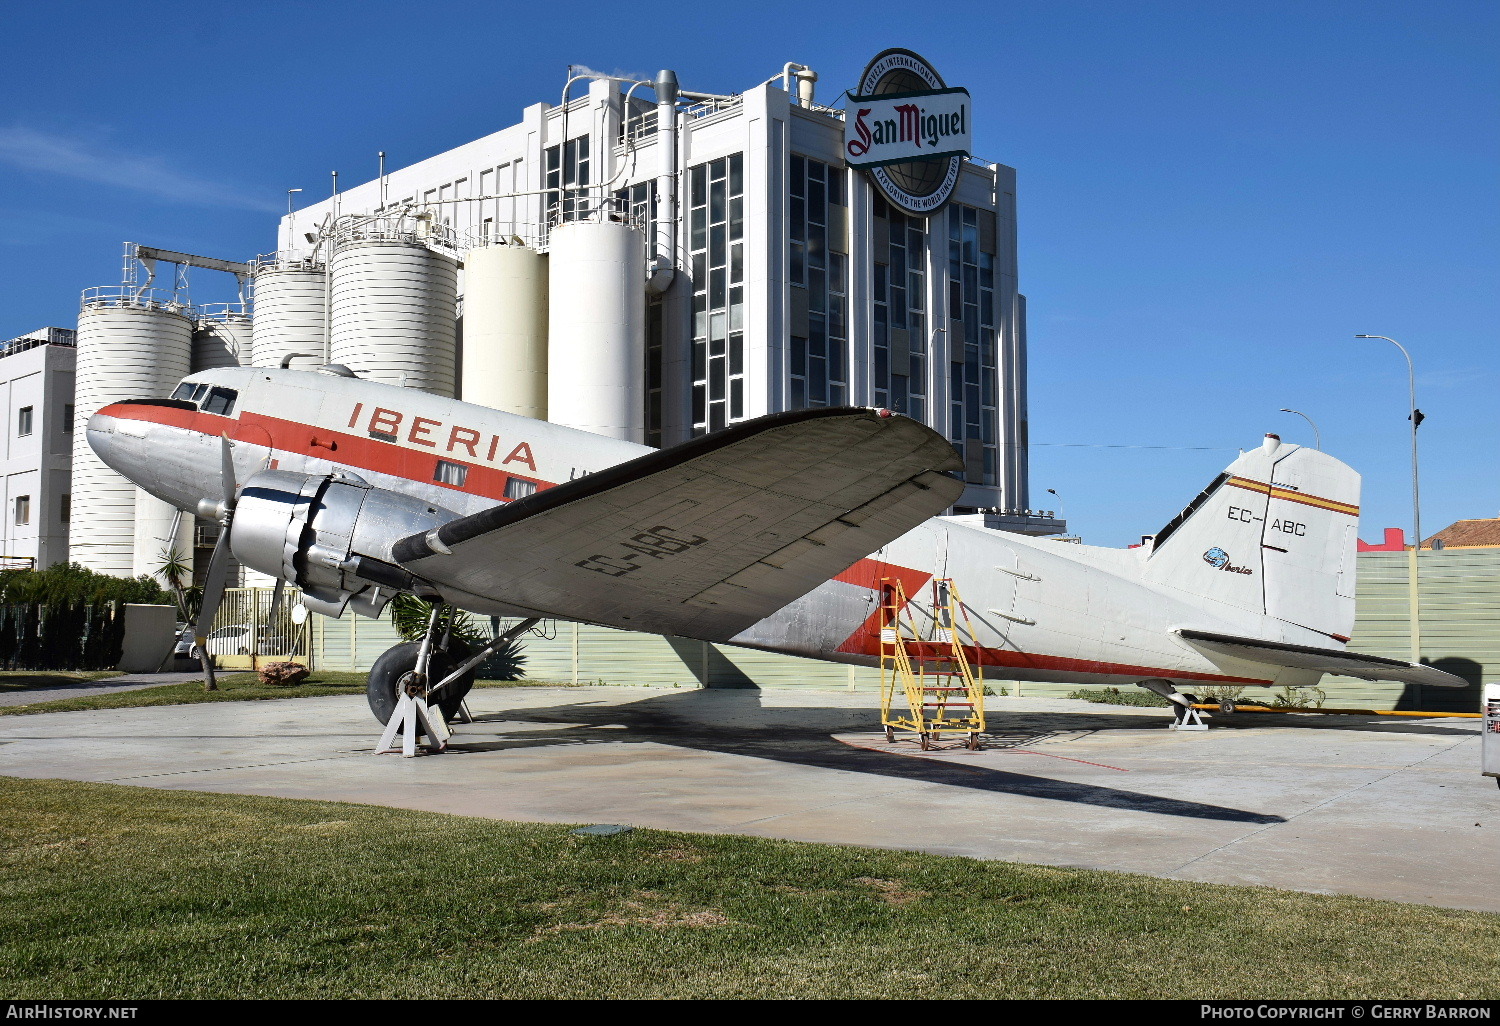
220,401
194,393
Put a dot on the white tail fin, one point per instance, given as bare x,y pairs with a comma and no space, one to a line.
1274,534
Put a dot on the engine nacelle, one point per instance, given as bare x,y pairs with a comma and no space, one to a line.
331,535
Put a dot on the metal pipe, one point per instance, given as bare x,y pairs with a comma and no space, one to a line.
665,243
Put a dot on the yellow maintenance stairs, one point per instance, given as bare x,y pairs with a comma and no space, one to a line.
933,672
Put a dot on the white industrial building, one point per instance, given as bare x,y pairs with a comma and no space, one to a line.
772,276
36,409
640,260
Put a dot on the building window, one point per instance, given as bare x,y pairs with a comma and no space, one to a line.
454,474
716,240
973,417
65,508
519,488
23,509
899,331
567,169
23,421
819,277
67,424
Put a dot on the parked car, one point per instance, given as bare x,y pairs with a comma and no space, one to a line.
234,639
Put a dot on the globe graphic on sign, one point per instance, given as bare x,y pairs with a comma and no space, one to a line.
917,177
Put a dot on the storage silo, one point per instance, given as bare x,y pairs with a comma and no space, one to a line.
505,330
129,347
222,338
393,305
596,330
291,313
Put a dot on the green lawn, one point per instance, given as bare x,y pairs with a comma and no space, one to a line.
125,893
233,687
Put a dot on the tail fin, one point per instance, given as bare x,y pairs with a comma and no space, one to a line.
1274,534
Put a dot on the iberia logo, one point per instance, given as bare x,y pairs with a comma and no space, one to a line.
1219,560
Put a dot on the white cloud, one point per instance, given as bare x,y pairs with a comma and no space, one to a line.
92,161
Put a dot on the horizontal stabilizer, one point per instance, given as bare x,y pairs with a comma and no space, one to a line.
1326,660
705,538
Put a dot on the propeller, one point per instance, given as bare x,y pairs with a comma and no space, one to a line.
218,563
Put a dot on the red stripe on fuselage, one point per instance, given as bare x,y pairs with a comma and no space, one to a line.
865,640
355,451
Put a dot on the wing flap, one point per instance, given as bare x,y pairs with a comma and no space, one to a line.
1326,660
706,538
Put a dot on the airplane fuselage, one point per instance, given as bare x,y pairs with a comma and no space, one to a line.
1040,609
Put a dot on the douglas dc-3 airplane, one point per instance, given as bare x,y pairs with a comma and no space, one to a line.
780,533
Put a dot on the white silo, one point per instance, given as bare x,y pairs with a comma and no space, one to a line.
393,302
221,338
505,330
291,313
596,332
130,346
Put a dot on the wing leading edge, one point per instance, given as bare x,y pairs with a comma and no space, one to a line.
1327,660
705,538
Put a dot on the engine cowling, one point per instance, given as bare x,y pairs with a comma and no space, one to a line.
331,535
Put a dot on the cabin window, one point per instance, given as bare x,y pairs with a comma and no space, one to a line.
454,474
182,391
220,401
518,488
23,421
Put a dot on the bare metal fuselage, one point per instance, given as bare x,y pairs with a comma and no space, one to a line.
1041,610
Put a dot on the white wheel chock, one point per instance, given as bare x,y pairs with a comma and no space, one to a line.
413,716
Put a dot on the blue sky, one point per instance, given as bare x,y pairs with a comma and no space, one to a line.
1214,198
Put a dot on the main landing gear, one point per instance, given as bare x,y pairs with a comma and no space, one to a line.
1184,716
417,688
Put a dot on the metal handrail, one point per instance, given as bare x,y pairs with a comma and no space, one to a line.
139,297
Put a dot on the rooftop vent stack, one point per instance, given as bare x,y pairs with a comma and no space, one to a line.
597,329
131,345
664,246
807,80
505,330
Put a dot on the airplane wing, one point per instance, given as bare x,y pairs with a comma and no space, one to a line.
705,538
1328,660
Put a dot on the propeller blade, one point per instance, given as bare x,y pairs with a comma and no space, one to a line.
276,598
213,586
226,471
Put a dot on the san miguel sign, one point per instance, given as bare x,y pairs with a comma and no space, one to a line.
908,131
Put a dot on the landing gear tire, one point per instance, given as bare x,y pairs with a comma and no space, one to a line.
1227,707
392,668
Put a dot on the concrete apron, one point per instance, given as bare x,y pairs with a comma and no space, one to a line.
1329,805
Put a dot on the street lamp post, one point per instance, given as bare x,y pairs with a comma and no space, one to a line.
1413,601
1317,438
1061,513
